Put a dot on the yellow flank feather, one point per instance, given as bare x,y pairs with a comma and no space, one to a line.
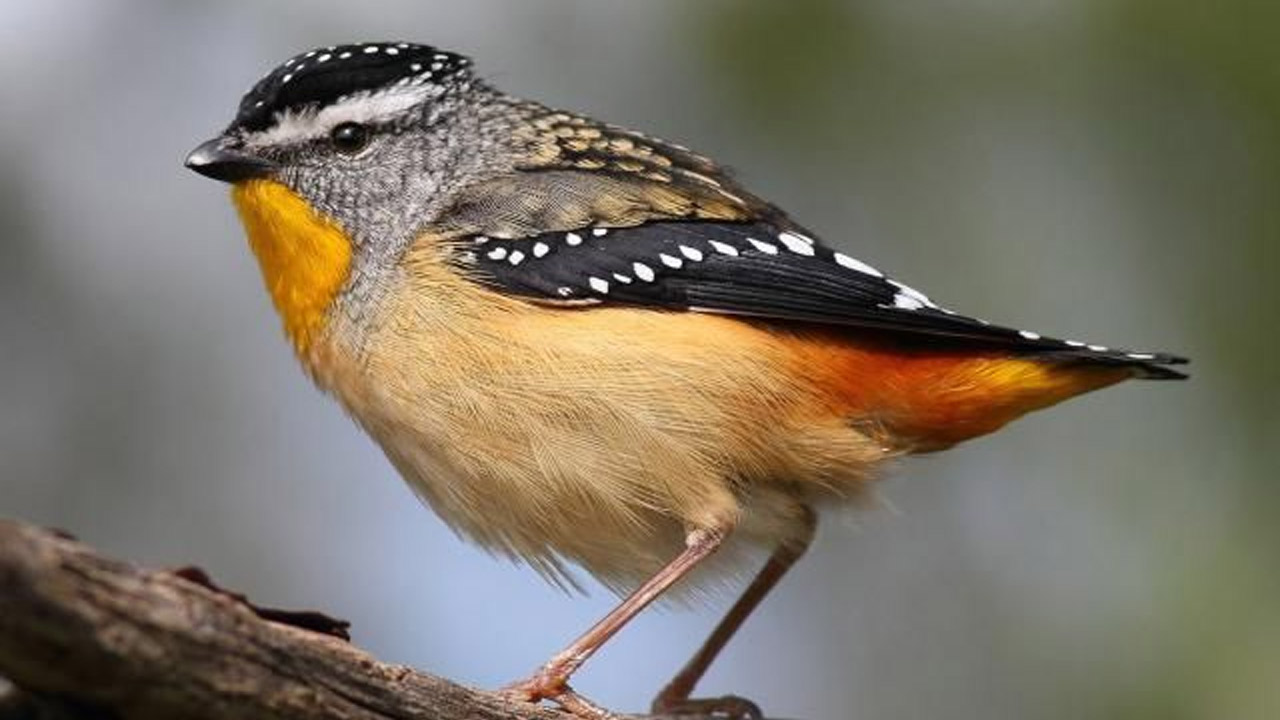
305,257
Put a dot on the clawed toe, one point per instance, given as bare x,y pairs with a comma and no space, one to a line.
532,690
547,686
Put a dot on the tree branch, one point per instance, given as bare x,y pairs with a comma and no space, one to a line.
85,636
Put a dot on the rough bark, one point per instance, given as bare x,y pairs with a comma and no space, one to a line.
85,636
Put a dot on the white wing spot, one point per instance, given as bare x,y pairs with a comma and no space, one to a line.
796,244
516,257
764,247
724,248
600,232
371,50
345,56
1029,335
624,279
1140,356
1099,348
693,254
855,264
564,291
573,238
907,302
1073,343
540,249
644,272
481,239
670,260
287,77
497,253
324,58
600,286
912,293
392,51
416,67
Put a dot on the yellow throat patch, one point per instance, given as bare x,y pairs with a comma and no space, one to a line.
305,257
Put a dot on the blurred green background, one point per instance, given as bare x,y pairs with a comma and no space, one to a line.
1104,169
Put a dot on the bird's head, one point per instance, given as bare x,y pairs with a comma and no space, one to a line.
369,135
341,155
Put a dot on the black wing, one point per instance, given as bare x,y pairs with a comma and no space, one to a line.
751,269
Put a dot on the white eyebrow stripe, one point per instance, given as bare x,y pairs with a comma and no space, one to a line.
293,126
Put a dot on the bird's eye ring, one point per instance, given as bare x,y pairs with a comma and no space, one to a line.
349,137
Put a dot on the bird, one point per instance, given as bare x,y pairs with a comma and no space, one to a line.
585,346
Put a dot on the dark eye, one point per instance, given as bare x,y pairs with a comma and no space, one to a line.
350,137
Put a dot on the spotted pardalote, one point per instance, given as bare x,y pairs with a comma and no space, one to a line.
582,344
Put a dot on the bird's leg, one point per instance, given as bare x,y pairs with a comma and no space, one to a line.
674,698
550,682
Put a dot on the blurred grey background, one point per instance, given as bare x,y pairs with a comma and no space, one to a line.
1103,169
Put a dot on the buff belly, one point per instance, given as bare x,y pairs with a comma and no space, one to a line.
598,438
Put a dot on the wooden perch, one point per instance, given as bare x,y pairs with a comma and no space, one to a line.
84,636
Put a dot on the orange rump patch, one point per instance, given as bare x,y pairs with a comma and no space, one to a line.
932,400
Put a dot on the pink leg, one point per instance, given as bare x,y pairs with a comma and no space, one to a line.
674,698
550,682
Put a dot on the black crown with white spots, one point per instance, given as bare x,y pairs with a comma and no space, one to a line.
321,76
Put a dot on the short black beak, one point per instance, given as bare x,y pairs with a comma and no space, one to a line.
214,159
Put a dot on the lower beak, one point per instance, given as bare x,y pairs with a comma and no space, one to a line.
214,159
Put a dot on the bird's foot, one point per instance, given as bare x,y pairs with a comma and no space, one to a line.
547,684
730,707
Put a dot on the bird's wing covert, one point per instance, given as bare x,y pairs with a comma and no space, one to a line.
748,269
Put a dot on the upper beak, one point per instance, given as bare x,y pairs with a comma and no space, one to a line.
214,159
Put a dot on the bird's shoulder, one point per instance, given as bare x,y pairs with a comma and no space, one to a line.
573,171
